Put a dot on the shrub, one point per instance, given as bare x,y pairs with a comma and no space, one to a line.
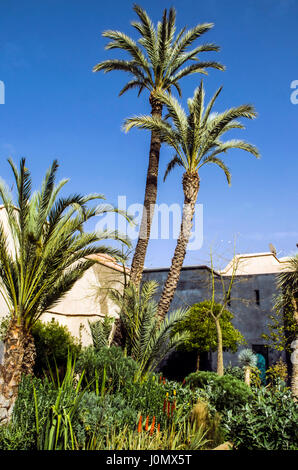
277,371
53,342
14,438
235,371
21,433
267,422
106,367
225,392
200,379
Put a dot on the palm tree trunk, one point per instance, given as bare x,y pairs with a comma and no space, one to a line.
19,357
220,366
247,375
138,260
191,184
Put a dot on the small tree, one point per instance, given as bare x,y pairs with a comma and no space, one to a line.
203,335
248,360
216,314
282,328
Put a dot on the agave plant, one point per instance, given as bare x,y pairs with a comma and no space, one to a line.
147,340
43,252
158,61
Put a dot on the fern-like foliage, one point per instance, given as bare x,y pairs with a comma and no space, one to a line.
101,332
147,340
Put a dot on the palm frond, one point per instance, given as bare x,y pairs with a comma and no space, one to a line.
43,249
220,163
171,165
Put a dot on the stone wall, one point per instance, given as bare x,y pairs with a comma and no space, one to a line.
250,312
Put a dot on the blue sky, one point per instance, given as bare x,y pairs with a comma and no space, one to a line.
55,107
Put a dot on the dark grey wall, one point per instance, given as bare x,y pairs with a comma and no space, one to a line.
249,318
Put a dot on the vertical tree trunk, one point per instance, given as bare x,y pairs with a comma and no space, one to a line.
247,375
19,358
220,366
198,362
138,260
191,184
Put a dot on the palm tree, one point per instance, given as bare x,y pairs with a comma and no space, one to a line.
158,61
43,252
288,284
147,340
247,360
195,139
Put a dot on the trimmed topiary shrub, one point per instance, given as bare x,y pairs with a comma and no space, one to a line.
200,379
225,392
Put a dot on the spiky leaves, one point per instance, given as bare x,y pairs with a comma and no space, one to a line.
43,249
157,61
147,341
158,57
195,138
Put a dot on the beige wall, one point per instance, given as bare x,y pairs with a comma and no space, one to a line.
87,300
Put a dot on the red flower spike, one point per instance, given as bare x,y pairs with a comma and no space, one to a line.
152,426
147,423
140,424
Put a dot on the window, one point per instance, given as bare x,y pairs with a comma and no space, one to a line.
257,294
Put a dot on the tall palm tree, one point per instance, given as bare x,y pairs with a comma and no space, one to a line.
196,141
147,340
43,252
288,283
158,61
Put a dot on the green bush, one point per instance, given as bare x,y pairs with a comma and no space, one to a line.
200,379
226,392
20,434
267,422
53,342
235,371
108,365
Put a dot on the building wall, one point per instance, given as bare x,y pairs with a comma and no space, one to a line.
87,300
249,318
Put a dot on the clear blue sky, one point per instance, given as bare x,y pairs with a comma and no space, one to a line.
57,108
